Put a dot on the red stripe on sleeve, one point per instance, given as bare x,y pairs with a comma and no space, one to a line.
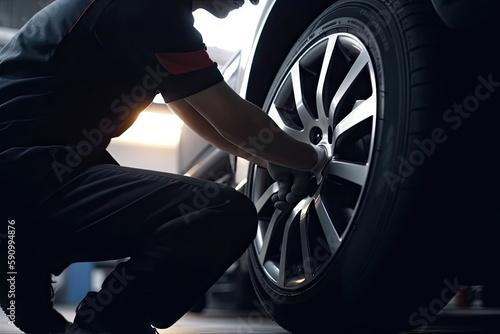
81,15
179,63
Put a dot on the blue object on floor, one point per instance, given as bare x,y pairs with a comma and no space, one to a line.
77,281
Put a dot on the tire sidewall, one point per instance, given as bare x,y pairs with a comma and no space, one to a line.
368,265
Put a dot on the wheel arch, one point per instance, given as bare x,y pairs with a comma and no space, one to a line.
278,28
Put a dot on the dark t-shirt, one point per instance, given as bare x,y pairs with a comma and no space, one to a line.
82,70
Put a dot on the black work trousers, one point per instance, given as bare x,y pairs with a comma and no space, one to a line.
179,234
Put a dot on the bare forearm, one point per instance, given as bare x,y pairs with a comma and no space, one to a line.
248,127
220,142
204,129
264,138
239,152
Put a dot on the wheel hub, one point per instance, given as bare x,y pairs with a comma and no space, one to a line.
327,96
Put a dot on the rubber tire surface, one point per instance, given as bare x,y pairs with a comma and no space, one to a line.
390,265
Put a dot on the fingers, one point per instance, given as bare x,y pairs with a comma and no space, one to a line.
285,186
293,186
293,199
282,205
300,183
279,199
289,194
299,188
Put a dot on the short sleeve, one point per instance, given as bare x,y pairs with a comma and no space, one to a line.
132,32
178,86
151,33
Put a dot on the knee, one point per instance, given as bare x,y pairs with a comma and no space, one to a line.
242,213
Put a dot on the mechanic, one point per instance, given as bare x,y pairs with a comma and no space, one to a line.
78,74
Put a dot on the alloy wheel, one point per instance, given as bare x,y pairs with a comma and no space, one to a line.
328,96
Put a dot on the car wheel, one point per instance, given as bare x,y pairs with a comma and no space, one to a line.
357,253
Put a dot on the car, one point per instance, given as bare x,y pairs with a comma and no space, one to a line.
405,97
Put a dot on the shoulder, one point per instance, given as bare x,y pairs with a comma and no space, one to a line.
154,25
147,13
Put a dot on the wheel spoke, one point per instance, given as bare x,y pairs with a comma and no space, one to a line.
332,237
284,249
353,172
305,116
326,96
332,41
297,134
274,114
266,196
263,245
305,245
300,210
356,69
362,111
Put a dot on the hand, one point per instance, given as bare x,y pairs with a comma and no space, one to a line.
293,186
323,159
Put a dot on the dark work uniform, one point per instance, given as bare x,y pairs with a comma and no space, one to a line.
75,76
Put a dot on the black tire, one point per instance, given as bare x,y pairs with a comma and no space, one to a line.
385,266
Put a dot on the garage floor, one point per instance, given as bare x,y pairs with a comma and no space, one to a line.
463,321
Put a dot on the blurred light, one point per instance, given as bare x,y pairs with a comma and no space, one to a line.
231,32
156,126
153,128
241,185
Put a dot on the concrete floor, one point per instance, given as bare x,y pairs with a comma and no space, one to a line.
211,321
458,321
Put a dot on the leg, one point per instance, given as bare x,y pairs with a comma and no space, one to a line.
181,234
26,294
